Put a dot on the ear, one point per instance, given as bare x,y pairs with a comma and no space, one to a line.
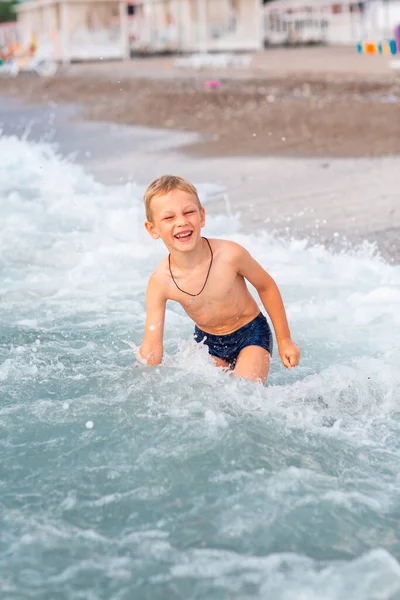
202,217
151,230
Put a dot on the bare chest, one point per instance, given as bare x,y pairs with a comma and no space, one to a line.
199,291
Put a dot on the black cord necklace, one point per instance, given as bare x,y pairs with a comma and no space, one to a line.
193,296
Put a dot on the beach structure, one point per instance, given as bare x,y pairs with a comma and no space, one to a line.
295,22
9,35
70,30
195,25
249,25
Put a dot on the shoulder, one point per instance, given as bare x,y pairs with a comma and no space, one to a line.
159,280
161,271
228,251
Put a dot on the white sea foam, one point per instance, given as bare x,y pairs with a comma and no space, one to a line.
284,491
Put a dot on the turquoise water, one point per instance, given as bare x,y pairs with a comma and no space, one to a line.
129,483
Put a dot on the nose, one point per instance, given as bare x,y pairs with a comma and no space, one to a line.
181,220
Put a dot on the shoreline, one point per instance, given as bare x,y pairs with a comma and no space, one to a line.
275,184
293,117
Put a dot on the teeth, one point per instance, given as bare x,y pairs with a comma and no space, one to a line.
183,235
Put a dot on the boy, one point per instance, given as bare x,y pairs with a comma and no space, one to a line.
207,277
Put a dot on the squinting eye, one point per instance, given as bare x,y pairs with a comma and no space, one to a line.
167,218
190,212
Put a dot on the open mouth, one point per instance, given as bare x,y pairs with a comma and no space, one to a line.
184,236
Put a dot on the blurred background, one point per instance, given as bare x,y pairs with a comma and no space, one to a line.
109,29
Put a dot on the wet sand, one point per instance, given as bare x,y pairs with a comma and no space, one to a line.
251,113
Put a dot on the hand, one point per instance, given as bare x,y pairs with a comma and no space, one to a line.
289,353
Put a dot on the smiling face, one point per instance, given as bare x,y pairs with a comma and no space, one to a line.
176,218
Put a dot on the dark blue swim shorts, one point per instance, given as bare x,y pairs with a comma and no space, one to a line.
228,347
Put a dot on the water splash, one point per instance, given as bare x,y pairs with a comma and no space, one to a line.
187,483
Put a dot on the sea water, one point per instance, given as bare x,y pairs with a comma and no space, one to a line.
123,482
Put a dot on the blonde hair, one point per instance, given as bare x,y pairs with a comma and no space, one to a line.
165,184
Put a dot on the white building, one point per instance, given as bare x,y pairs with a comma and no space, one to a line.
94,29
9,34
195,25
112,29
294,22
75,29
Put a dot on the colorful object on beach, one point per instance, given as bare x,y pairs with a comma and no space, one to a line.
386,47
213,84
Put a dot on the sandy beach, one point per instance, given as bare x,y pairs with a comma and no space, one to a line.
260,109
305,142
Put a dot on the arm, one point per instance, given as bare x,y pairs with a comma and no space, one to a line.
152,349
273,303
